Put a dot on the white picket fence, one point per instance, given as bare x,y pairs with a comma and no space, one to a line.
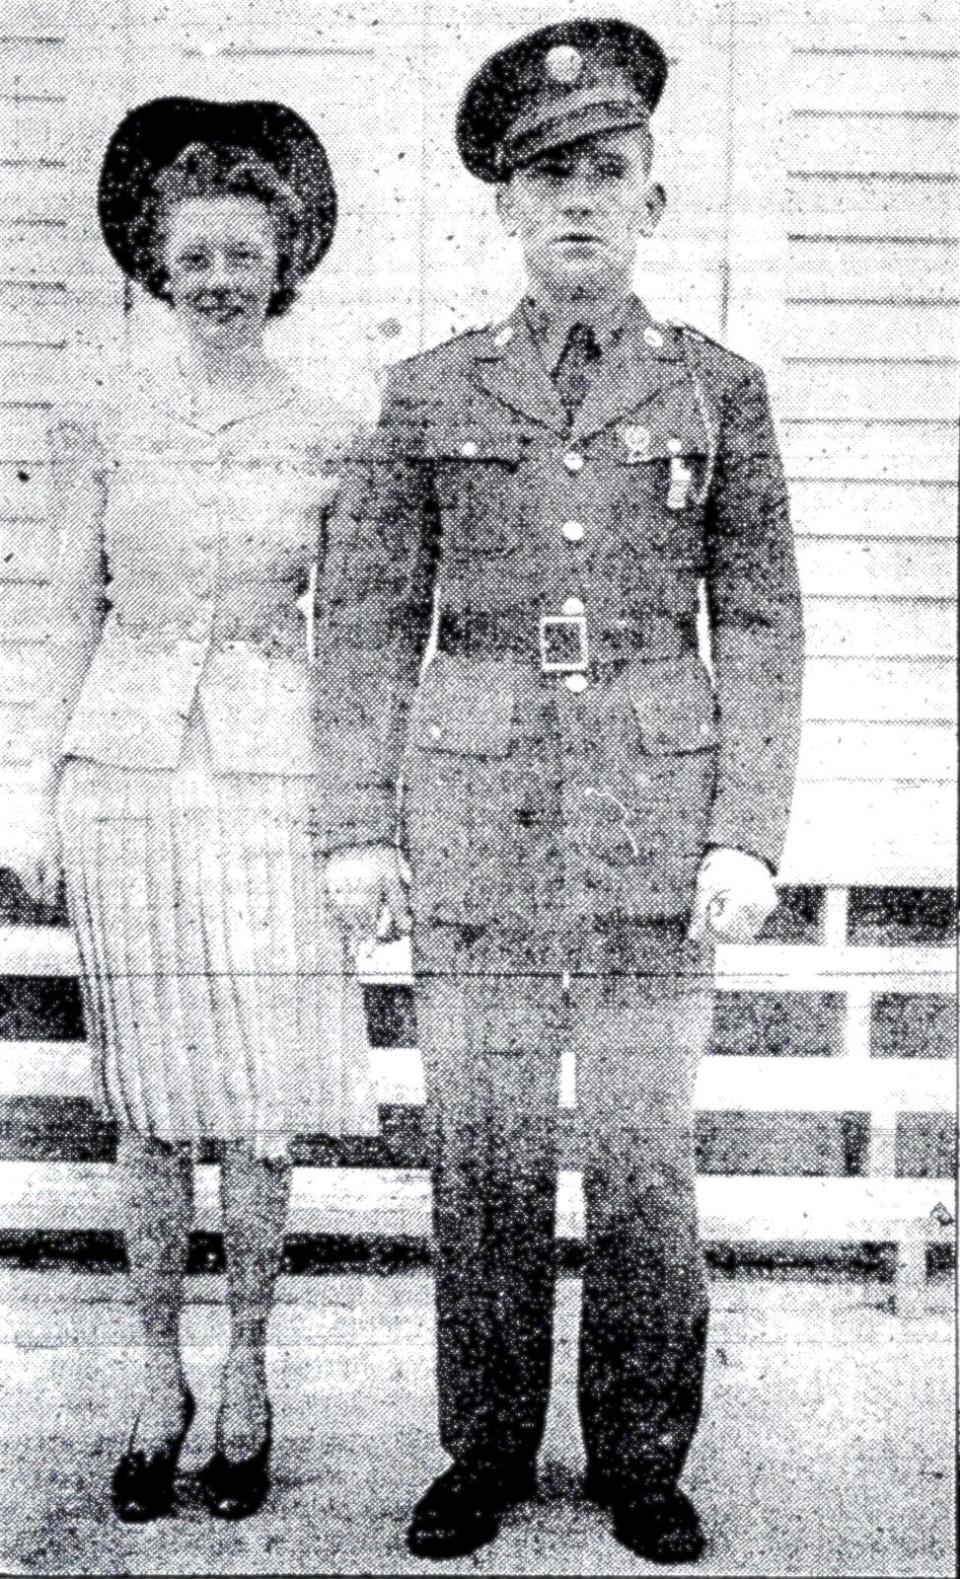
875,1206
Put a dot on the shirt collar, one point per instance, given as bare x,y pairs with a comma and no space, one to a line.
550,325
166,385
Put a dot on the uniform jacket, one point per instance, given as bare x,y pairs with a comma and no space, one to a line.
208,534
475,510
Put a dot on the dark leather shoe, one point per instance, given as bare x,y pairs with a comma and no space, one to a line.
142,1485
236,1488
462,1510
660,1526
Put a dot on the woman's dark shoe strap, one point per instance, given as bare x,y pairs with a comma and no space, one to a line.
142,1483
236,1488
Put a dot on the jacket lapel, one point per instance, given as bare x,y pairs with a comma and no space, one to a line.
509,367
633,373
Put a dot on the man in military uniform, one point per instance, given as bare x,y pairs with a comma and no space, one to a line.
587,809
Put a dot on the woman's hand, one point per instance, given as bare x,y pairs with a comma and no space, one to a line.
366,884
76,453
30,847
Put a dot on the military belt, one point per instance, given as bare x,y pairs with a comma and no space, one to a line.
488,635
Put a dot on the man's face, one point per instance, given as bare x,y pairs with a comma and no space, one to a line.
579,211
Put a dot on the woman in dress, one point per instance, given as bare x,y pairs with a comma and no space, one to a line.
189,787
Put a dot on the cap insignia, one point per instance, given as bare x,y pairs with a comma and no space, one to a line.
564,64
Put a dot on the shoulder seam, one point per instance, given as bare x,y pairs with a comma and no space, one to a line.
441,346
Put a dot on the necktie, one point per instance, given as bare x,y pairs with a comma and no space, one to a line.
571,375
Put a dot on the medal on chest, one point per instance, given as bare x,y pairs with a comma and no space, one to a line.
637,441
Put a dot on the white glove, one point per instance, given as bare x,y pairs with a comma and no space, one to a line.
735,895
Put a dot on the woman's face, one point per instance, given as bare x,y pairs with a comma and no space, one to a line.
221,257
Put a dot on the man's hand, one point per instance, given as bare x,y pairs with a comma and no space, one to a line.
735,895
365,884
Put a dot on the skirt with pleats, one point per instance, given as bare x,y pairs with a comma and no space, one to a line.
219,1001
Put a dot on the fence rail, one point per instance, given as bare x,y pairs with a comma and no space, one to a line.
882,1079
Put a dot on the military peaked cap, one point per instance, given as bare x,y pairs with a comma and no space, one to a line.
555,86
150,137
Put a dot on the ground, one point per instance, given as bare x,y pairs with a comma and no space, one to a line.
826,1447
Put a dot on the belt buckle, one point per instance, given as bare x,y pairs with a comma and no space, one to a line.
563,644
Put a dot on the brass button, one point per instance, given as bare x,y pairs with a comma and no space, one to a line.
435,731
577,683
574,461
572,531
468,450
573,606
653,338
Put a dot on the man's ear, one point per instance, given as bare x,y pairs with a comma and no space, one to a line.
652,211
504,204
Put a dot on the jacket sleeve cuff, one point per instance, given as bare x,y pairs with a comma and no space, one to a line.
753,836
743,849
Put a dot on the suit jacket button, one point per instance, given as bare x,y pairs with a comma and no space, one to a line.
573,461
435,731
572,531
468,450
577,683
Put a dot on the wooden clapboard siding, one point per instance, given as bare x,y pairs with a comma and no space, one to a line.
884,751
874,508
854,143
25,547
918,269
851,450
869,627
881,330
872,206
923,389
880,690
887,28
904,831
868,402
894,82
894,569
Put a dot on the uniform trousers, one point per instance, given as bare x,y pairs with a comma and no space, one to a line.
637,1010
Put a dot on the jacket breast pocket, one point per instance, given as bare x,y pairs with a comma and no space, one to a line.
659,496
477,478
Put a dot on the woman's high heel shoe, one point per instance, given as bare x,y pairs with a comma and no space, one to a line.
142,1484
236,1488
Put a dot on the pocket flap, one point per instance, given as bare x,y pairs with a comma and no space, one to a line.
465,708
674,706
460,442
